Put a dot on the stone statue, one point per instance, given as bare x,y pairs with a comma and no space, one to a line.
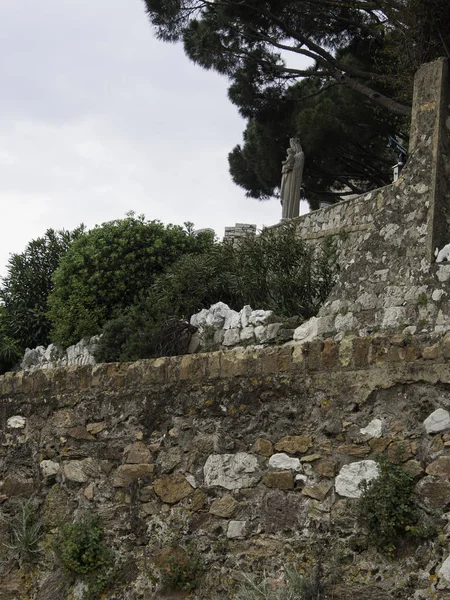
291,180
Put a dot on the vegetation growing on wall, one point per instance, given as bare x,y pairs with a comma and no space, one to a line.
274,271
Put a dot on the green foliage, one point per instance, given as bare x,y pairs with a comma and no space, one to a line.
26,531
387,507
182,572
25,288
274,271
297,587
108,267
82,552
9,347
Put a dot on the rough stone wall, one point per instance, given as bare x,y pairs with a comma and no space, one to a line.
239,454
388,238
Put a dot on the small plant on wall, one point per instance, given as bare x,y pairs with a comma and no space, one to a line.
26,532
388,508
84,553
180,569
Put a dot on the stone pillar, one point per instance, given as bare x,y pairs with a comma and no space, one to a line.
429,150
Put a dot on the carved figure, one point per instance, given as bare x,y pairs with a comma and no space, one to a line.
291,180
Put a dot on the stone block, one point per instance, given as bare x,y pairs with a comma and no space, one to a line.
224,507
231,471
138,453
350,477
361,351
330,354
318,491
440,467
434,494
231,337
282,480
263,447
284,462
431,352
172,488
125,475
438,421
237,530
294,444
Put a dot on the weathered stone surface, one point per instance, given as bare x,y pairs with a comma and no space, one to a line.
318,491
231,337
231,471
263,447
354,450
57,508
373,430
236,530
435,494
172,488
444,570
351,476
95,428
284,462
325,467
127,474
282,480
224,507
80,433
399,452
16,422
440,467
138,453
168,460
49,468
79,470
413,467
439,420
15,484
294,444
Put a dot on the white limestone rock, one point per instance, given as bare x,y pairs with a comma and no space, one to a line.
16,422
247,334
231,337
199,319
231,471
373,430
443,273
79,471
236,530
32,358
232,320
49,468
350,476
439,420
260,317
393,317
344,322
245,315
272,331
443,254
307,331
217,314
261,334
284,462
444,571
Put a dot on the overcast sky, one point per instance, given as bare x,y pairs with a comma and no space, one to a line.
97,118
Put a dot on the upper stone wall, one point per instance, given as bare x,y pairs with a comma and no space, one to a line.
388,238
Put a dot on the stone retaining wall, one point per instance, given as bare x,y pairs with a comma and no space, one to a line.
244,457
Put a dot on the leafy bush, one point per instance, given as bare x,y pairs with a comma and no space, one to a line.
275,271
107,268
387,507
26,531
83,552
27,284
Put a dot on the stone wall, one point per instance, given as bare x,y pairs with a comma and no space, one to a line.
249,458
388,238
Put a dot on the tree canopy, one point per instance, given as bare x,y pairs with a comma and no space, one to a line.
27,284
108,267
362,53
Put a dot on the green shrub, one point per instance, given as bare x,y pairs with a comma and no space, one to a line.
387,507
9,347
83,552
107,268
275,271
26,531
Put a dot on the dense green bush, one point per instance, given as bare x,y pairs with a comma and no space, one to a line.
388,508
275,271
27,284
106,269
83,552
9,347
